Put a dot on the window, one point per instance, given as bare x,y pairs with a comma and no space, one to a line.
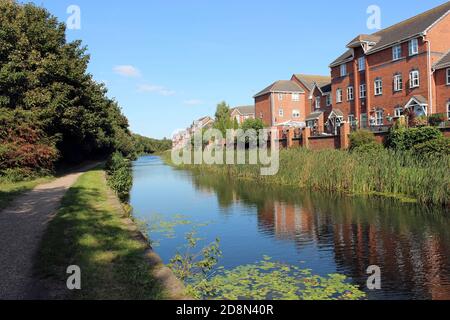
351,119
295,97
281,113
398,112
362,91
343,70
398,82
328,100
378,87
296,114
350,93
397,52
363,120
448,76
362,64
379,118
448,110
317,102
338,95
413,47
414,79
280,96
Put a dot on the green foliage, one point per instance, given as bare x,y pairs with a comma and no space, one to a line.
405,139
360,138
368,148
193,265
42,73
120,176
255,124
223,120
434,148
436,119
144,145
268,280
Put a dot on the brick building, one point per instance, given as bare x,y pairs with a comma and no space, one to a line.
240,114
398,70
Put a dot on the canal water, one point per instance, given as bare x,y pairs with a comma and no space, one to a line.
322,232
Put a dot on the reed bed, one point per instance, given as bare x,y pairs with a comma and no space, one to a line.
385,172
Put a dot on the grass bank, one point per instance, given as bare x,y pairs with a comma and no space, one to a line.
91,231
384,172
10,190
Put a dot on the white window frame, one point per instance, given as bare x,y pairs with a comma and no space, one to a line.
397,52
398,82
343,70
448,110
413,47
378,86
379,121
328,100
362,91
351,119
448,76
338,95
317,103
364,120
281,112
398,112
414,79
361,63
350,93
295,97
296,113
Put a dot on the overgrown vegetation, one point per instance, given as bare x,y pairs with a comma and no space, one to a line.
89,231
385,172
120,176
144,145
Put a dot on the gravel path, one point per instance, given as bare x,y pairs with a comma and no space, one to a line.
22,226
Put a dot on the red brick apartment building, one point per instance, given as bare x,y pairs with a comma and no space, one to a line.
291,102
404,68
240,114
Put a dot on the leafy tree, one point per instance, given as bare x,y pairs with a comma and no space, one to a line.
255,124
223,118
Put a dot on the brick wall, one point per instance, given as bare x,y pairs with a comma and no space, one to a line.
262,109
442,92
321,143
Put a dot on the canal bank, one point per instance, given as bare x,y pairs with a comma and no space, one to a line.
321,231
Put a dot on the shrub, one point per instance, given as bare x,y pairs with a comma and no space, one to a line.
436,147
436,119
360,138
119,176
405,139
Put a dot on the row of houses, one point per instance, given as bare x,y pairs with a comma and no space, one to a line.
404,69
238,114
398,71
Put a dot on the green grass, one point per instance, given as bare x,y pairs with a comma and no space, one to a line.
11,190
90,231
384,172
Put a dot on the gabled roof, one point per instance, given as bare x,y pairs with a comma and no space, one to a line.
368,38
348,55
314,116
309,80
280,87
244,110
399,32
444,62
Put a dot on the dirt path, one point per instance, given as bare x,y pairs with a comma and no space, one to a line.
22,225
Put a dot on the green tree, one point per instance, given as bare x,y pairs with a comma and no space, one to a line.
223,120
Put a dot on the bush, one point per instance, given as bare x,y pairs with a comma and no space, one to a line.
436,119
368,148
361,138
405,139
119,176
433,148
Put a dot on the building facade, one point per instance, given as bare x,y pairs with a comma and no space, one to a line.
240,114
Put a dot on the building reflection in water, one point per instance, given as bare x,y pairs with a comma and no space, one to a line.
409,243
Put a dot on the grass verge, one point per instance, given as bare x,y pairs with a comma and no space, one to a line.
90,231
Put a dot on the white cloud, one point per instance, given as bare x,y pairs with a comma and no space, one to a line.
127,71
193,102
156,89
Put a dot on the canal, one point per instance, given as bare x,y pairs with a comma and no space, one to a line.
322,232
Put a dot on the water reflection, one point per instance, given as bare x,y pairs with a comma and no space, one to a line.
410,244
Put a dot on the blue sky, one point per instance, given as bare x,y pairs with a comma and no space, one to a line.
168,62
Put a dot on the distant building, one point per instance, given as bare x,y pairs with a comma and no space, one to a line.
240,114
